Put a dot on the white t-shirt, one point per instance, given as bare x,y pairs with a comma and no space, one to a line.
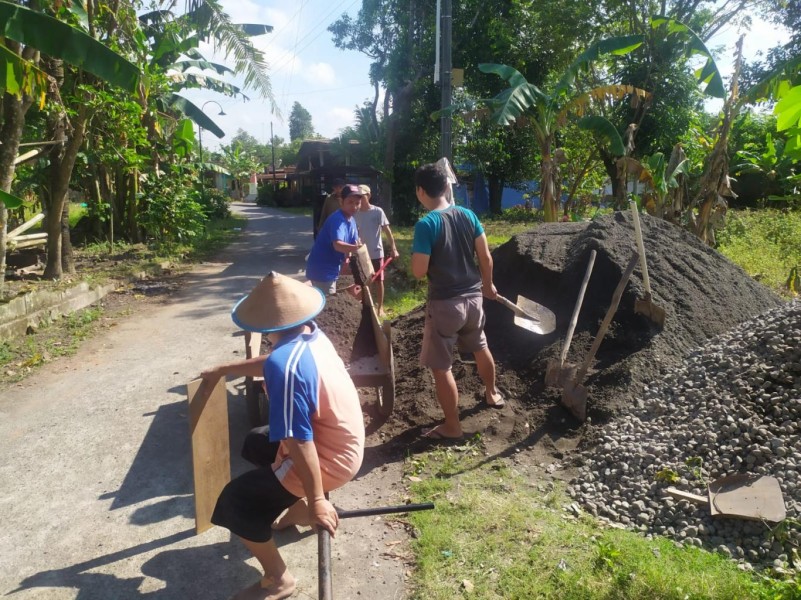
369,223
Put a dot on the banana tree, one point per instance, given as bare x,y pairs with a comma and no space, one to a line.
546,112
25,35
665,181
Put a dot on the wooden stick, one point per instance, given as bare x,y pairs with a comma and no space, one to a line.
25,226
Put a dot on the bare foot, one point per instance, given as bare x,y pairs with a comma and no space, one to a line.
297,514
269,588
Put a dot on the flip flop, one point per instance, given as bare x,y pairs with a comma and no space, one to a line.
499,404
435,435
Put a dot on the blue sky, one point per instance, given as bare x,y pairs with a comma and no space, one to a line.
306,67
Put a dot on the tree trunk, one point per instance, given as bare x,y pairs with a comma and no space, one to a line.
62,162
495,185
67,258
132,188
12,121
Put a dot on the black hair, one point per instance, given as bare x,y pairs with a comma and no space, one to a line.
432,178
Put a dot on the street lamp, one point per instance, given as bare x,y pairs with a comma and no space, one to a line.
200,144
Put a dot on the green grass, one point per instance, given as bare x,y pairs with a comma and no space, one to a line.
765,243
495,535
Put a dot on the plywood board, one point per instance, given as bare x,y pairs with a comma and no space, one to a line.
211,459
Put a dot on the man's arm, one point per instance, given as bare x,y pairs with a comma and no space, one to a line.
394,252
420,264
307,466
346,248
485,266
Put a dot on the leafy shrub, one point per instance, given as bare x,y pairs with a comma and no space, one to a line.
215,204
265,196
172,213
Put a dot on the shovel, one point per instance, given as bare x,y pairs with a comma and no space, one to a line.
558,373
530,315
645,306
744,495
574,394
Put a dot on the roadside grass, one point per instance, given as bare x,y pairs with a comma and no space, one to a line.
765,243
495,535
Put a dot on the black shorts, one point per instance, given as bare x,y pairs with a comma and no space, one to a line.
249,504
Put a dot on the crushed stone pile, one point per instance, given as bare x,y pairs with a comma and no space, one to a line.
734,406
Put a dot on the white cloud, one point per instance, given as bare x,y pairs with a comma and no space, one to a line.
320,74
336,118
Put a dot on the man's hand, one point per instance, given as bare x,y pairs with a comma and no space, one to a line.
489,291
395,254
323,514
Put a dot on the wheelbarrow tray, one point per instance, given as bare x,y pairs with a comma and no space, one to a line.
744,495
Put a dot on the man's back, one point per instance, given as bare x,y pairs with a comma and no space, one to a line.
448,237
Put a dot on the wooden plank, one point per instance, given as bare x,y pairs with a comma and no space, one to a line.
25,226
211,460
364,264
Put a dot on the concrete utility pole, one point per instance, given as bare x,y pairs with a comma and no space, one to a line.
445,78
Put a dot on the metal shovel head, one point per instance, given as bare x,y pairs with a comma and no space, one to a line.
655,313
748,496
559,374
535,317
574,398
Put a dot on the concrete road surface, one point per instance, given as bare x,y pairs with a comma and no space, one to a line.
95,479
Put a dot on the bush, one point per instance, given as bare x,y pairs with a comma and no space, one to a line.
265,196
172,213
215,204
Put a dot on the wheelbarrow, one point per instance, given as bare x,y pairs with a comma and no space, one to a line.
372,362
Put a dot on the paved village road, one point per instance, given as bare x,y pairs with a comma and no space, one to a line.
95,476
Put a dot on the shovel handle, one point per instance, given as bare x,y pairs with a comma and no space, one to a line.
635,216
610,313
577,309
515,308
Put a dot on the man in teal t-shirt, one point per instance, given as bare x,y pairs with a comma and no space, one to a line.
447,242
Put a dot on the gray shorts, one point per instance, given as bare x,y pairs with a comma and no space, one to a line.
450,321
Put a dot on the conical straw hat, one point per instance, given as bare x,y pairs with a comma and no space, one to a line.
277,303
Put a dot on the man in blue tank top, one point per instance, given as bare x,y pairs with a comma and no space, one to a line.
446,243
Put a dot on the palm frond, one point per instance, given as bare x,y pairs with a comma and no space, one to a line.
214,24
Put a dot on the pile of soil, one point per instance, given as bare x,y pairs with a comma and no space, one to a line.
702,293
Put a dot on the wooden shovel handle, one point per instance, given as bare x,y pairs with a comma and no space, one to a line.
635,216
610,313
577,309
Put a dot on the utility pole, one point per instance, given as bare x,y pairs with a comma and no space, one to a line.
445,78
272,146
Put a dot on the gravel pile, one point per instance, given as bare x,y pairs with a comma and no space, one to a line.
733,406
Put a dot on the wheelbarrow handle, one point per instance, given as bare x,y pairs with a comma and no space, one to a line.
381,269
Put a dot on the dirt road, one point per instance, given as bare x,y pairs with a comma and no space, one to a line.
96,481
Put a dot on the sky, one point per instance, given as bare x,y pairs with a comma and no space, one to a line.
306,67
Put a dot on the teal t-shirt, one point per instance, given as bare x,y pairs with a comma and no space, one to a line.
448,237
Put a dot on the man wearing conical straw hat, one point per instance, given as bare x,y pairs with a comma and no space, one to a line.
315,440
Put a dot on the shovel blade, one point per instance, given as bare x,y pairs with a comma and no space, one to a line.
574,398
654,312
542,320
559,374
